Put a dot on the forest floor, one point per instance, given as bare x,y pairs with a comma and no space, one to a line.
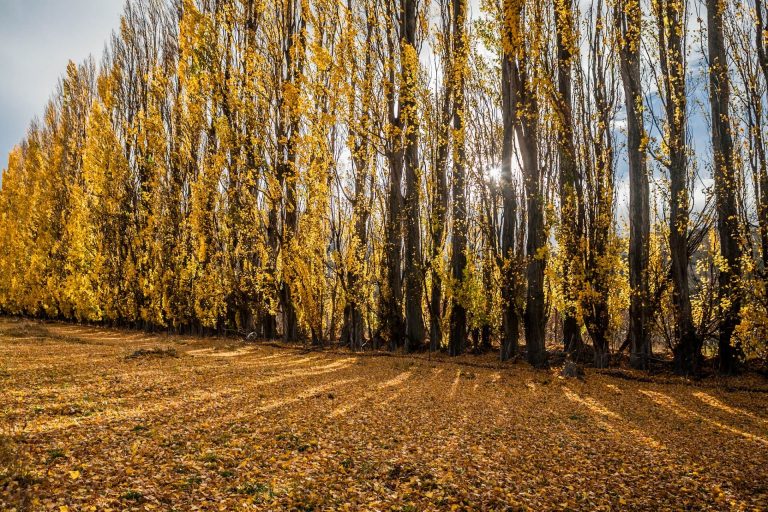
99,419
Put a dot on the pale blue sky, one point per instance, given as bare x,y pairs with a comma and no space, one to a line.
37,38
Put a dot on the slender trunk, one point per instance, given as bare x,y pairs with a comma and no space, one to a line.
571,200
760,173
762,209
440,207
628,17
414,284
762,186
392,313
510,313
729,302
438,234
269,320
535,314
352,329
760,38
527,131
294,61
671,21
596,307
456,343
393,316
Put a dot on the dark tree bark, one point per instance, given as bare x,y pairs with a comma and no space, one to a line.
414,283
535,314
288,130
671,25
725,186
762,209
761,37
599,171
440,206
525,112
456,342
352,329
571,195
628,17
392,314
269,320
759,164
510,313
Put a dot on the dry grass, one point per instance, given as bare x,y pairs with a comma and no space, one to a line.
230,426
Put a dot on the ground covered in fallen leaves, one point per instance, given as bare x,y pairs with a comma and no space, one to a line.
96,419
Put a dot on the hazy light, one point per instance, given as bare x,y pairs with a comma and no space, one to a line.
493,174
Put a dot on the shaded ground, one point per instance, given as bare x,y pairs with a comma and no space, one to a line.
192,424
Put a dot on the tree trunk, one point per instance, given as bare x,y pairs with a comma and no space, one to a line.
535,315
687,351
269,320
729,303
392,314
353,315
456,342
294,24
628,17
414,284
352,330
571,197
440,206
393,317
510,313
762,180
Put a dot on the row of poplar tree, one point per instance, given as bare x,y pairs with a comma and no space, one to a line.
415,173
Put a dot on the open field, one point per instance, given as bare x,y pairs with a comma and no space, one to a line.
221,425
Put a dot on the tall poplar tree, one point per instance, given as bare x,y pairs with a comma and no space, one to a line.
725,185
